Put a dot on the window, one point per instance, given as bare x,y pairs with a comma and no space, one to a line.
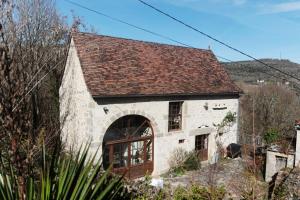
175,115
181,141
120,155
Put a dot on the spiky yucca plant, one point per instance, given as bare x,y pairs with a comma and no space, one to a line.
65,178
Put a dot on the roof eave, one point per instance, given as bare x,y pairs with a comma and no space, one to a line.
237,94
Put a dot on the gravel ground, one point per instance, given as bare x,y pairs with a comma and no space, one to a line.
229,173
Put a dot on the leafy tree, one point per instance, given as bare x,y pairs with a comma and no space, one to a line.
33,42
268,107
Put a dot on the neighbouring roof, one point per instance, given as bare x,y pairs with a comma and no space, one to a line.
124,67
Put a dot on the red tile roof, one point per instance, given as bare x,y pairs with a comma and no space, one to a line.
124,67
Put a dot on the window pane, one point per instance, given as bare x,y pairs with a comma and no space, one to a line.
106,157
120,155
148,150
175,115
137,152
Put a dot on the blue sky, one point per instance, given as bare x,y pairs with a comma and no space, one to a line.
262,28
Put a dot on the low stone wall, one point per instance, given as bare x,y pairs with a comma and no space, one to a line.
272,166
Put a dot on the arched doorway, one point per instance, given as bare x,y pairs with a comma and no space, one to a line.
128,146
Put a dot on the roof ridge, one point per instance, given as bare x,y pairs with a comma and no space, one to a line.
144,41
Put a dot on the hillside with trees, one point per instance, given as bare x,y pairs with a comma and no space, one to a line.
251,71
273,104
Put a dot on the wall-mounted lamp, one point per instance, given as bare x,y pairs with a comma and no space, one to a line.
206,106
105,109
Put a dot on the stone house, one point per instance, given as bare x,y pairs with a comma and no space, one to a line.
139,101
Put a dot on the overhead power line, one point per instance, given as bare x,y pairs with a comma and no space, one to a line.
36,84
269,74
275,76
135,26
124,22
150,31
217,40
37,73
154,33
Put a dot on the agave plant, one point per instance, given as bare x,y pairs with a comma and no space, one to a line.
65,178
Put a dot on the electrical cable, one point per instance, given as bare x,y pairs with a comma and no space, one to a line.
217,40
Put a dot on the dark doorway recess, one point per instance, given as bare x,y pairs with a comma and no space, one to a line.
201,146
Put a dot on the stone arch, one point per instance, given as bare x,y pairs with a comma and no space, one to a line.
128,146
120,114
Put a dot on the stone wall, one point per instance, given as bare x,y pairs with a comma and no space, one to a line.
75,101
194,116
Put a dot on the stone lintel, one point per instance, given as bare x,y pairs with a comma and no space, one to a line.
201,131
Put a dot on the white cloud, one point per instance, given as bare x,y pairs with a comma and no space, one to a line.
281,7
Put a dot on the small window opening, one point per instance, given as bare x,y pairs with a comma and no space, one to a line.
175,116
281,163
181,141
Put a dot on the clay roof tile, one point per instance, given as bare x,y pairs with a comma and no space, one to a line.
124,67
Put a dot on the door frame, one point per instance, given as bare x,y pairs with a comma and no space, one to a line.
140,169
202,152
147,165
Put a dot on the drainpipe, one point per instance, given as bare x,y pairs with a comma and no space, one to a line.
297,155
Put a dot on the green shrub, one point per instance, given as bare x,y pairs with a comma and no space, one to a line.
176,162
177,158
227,121
178,171
217,193
198,192
229,118
181,193
65,177
271,136
281,192
182,161
192,161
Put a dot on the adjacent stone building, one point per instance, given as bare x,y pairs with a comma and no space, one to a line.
278,158
139,101
276,161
